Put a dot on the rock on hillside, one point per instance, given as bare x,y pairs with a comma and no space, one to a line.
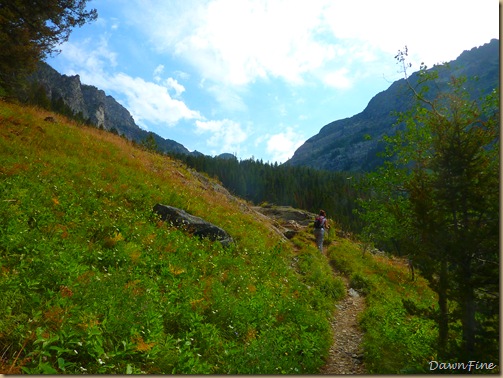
287,219
287,214
194,225
351,144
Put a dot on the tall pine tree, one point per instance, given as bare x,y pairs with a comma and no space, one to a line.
436,199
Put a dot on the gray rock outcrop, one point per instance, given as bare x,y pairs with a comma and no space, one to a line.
194,225
287,219
95,106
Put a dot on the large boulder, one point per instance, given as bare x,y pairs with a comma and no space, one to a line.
194,225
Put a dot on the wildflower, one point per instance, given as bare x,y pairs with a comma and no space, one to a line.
100,361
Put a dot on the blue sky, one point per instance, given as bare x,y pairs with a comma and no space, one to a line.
257,78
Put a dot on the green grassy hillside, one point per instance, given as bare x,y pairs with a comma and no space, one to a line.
92,282
400,332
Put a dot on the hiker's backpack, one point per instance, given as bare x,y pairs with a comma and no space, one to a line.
318,222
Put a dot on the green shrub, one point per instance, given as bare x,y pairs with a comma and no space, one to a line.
360,283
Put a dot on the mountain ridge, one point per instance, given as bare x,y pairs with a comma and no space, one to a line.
352,144
97,108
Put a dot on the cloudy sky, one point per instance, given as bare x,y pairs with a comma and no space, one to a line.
257,78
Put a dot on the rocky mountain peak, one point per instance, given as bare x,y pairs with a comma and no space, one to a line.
352,144
94,105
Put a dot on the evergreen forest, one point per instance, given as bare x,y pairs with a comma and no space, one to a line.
300,187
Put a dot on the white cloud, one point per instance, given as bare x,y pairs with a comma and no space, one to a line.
238,42
227,97
225,134
115,24
182,75
148,102
89,57
282,146
435,31
338,79
171,83
157,72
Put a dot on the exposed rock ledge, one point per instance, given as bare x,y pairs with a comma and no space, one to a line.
286,218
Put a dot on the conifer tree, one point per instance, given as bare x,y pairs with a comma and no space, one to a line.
436,200
32,29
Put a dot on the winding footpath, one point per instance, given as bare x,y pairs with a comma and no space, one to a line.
345,356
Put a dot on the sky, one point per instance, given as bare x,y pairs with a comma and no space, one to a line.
257,78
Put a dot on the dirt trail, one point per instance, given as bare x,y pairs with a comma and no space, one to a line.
345,356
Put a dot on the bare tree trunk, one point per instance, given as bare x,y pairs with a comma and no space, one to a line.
468,316
443,321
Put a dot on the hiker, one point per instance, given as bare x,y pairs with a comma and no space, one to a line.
320,225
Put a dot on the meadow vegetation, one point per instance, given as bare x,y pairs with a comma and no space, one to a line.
94,283
400,333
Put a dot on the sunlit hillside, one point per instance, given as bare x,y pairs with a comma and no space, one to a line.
93,282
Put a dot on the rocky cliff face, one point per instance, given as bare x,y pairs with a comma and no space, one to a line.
352,144
94,105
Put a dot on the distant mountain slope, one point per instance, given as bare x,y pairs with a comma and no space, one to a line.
351,144
94,105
